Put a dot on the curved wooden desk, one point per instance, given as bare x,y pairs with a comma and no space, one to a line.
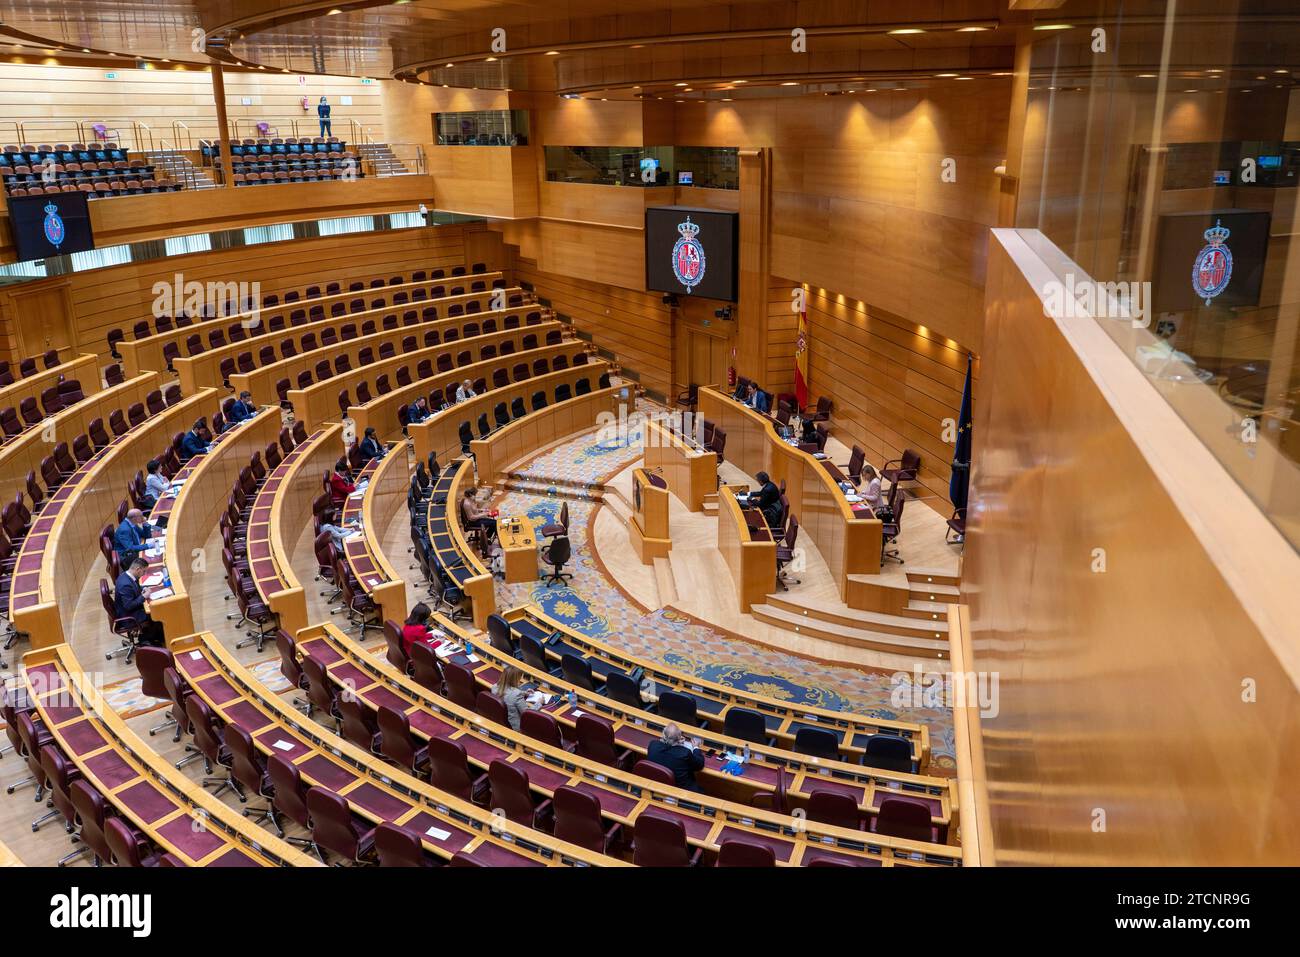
456,555
174,812
381,411
374,790
536,430
193,512
23,453
783,720
204,368
635,728
690,470
747,547
440,432
147,354
709,821
280,511
849,540
389,479
84,368
59,550
262,380
319,401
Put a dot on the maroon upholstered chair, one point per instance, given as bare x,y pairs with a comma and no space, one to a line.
247,768
578,820
659,841
289,797
462,688
289,666
59,775
905,819
833,807
596,741
542,726
449,771
335,829
425,668
127,847
736,853
207,738
654,772
397,744
492,707
400,847
91,812
152,663
511,796
358,724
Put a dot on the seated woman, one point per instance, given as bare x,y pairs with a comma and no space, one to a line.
509,688
341,484
473,516
418,630
870,489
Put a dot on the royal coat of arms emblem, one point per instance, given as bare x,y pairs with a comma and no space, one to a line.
688,255
54,228
1212,270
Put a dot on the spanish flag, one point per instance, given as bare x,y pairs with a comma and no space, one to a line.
801,361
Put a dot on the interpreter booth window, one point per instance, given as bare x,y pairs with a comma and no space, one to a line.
704,166
482,128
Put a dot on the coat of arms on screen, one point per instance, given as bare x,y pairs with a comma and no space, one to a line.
688,255
1213,268
54,230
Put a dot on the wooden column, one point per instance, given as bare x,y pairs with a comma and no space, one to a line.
223,127
753,255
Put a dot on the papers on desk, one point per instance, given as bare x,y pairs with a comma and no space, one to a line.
446,650
195,655
819,456
355,537
438,834
150,580
358,494
153,552
283,745
374,582
161,593
852,497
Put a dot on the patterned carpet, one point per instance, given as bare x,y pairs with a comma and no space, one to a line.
595,606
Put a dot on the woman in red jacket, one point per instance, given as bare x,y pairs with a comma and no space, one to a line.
418,629
341,485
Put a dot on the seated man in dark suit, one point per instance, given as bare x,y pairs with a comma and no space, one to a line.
418,410
370,446
242,408
196,440
679,755
129,601
129,539
767,499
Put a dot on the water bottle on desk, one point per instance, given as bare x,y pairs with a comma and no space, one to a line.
573,699
469,649
744,755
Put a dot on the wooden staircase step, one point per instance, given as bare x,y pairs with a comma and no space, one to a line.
930,576
933,592
857,637
812,611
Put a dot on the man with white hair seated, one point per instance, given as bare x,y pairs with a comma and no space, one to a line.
679,754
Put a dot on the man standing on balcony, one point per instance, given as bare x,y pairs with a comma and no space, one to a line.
323,111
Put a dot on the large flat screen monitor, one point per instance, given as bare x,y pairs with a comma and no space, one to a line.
1216,256
691,251
45,226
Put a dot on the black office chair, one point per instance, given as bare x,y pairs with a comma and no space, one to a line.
747,725
888,752
557,554
679,707
817,742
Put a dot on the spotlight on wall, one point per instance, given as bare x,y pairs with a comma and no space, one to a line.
724,313
670,300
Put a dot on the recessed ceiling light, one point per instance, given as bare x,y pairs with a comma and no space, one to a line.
946,76
1215,70
333,13
726,99
450,64
739,81
907,30
636,46
1054,26
970,29
789,83
1001,73
85,49
1146,76
965,78
1281,71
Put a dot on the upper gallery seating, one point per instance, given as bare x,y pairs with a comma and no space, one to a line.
100,171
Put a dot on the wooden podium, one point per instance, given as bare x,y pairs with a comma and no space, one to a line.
691,472
648,527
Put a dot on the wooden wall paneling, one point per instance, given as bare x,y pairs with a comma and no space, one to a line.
635,326
892,382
